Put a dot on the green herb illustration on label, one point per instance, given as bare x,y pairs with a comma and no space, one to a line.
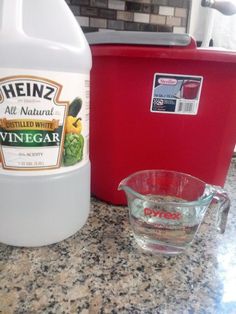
74,141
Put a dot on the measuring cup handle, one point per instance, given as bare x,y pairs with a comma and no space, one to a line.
223,203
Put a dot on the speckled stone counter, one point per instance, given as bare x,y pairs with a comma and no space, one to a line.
101,270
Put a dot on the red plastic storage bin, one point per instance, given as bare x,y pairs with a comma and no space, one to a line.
159,102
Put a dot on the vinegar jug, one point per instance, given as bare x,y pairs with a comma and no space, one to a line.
45,65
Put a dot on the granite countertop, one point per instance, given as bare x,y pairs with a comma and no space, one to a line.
101,270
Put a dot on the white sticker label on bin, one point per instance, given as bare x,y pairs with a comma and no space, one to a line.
176,94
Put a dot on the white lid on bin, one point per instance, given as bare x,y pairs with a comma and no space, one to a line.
138,38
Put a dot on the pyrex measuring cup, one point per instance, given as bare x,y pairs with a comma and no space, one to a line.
166,208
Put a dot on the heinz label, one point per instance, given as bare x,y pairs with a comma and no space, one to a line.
43,120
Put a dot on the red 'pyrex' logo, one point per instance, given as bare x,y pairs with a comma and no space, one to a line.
162,214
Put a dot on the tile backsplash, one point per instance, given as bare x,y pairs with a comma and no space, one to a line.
132,15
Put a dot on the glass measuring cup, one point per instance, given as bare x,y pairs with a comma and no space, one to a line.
166,208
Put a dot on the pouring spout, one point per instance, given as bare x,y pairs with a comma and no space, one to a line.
130,192
123,186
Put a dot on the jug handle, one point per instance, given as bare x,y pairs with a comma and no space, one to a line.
11,23
223,203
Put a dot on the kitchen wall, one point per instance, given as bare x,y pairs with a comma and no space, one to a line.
132,15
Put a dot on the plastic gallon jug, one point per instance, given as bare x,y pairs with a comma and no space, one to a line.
44,123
